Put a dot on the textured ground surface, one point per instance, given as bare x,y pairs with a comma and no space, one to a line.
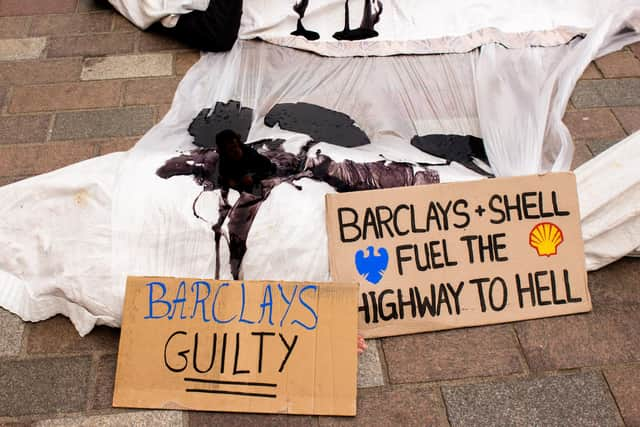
77,81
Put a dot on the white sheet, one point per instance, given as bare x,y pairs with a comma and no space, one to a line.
70,237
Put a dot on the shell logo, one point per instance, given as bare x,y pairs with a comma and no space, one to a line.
545,239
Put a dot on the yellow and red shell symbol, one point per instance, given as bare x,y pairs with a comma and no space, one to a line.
545,238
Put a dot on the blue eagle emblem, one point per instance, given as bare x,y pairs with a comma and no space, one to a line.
372,266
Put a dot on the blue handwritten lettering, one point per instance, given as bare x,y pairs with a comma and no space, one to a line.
213,305
313,313
199,300
265,304
158,300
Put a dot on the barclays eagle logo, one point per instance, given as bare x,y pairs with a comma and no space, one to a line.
372,266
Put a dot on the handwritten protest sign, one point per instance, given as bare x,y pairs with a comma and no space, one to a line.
273,347
462,254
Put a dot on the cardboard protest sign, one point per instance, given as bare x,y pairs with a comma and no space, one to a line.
272,347
452,255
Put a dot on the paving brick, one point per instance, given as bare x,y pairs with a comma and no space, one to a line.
406,405
27,48
635,48
591,72
184,61
152,41
608,92
105,380
71,24
600,338
206,419
599,146
23,129
36,7
593,124
629,117
91,5
10,180
43,71
619,64
11,328
581,154
447,355
150,91
91,45
127,66
12,27
137,419
113,145
41,386
3,95
370,366
121,24
624,383
576,400
103,124
33,159
58,336
65,96
163,110
615,287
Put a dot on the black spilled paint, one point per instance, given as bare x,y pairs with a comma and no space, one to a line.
209,122
370,17
321,124
454,148
300,8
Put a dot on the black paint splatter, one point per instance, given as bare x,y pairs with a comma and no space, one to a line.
321,124
343,176
454,148
300,8
370,17
209,122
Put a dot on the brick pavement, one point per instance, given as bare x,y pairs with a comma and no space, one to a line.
77,81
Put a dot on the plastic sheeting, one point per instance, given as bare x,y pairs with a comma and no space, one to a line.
73,235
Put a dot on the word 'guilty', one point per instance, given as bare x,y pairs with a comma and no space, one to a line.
223,351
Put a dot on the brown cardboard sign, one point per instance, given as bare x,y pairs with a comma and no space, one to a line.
462,254
267,347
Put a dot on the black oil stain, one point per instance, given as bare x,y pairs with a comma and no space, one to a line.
370,17
209,122
345,176
321,124
300,8
454,148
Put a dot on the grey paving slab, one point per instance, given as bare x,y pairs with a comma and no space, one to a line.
137,419
446,355
624,382
103,123
11,328
42,386
606,93
567,400
370,372
403,405
209,419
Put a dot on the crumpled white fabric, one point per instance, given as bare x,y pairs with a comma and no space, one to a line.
69,238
